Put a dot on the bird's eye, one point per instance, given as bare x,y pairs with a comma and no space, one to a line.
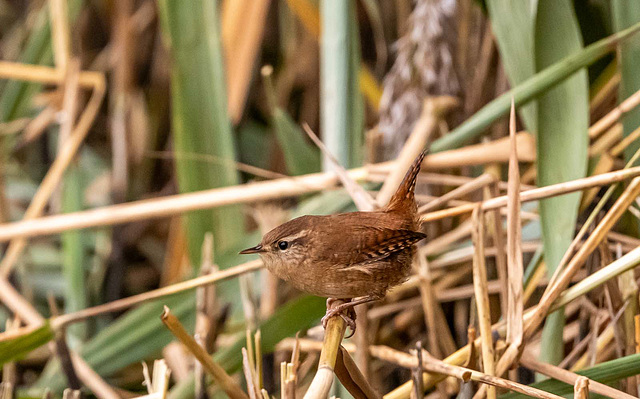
283,245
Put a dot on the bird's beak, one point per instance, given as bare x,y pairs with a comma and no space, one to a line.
253,250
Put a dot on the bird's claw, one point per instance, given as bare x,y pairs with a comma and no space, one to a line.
348,314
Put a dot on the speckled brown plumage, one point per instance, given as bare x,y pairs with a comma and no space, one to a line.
348,255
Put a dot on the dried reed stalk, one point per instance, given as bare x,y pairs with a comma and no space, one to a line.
429,303
125,303
363,200
469,187
514,255
581,388
228,384
484,153
243,24
614,115
494,382
260,191
606,141
47,75
432,111
514,244
56,171
555,289
61,42
482,296
534,194
352,378
625,142
569,377
333,334
249,376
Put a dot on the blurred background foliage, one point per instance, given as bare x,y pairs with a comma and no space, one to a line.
204,94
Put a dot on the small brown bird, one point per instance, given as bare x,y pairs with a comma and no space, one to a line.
355,257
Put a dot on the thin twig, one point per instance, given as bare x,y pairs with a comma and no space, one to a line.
360,197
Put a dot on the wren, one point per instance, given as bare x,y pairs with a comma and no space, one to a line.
355,256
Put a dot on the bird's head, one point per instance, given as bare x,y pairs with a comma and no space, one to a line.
286,246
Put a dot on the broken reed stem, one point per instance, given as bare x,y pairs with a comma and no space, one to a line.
429,303
482,296
581,388
220,376
333,334
249,376
570,377
125,303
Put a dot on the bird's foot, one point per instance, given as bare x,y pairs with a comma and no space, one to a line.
344,310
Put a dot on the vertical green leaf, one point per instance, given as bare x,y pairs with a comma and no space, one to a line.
341,102
562,141
73,251
626,13
513,25
199,116
355,101
529,89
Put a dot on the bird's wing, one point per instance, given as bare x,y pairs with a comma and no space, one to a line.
384,242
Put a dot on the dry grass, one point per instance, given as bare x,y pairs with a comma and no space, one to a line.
472,271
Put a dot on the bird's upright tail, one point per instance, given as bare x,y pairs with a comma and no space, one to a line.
403,199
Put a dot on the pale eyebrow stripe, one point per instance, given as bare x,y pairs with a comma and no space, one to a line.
295,236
